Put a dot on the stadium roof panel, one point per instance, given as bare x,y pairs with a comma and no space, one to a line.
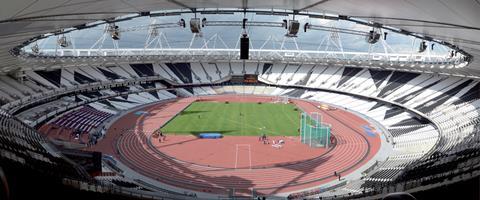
451,21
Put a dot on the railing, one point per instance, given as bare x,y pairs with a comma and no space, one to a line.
116,190
39,149
447,178
340,57
14,106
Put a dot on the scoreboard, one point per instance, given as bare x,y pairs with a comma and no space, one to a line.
246,78
250,78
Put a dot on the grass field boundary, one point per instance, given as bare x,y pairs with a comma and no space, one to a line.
176,114
236,118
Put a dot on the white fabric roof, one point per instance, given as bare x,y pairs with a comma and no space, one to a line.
455,21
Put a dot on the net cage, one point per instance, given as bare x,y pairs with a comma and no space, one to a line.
313,132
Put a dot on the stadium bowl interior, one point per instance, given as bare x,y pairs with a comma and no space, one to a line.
175,99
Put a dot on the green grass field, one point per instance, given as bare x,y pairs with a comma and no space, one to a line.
240,119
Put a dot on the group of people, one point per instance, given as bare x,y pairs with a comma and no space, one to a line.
264,139
276,144
161,136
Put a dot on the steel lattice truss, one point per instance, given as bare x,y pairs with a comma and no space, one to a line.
330,50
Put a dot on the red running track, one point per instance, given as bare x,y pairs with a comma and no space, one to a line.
128,139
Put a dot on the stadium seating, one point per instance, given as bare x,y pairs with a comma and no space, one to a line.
21,145
83,119
449,141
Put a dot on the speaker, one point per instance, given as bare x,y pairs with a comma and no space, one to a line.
244,47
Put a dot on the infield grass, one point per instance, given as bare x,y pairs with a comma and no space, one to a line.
239,119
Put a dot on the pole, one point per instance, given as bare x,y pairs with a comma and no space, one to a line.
302,127
327,139
310,138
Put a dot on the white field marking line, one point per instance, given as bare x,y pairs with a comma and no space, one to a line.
249,155
236,155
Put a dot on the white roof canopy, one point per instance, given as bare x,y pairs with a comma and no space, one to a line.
456,22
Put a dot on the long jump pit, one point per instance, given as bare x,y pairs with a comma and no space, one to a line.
237,165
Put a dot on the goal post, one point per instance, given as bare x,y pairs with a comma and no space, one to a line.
281,99
312,132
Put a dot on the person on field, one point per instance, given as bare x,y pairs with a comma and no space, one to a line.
161,136
264,139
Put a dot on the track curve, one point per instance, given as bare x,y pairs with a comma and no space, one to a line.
128,139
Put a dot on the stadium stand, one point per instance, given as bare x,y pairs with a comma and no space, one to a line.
31,163
58,99
449,142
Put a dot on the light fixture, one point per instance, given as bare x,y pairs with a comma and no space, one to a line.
306,26
285,24
372,36
181,23
293,26
195,25
62,41
35,49
452,53
114,32
204,22
422,47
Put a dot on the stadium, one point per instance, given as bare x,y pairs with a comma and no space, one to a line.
299,99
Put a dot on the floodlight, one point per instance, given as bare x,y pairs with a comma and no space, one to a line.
422,47
204,21
293,27
195,25
35,48
62,41
372,37
181,23
114,32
